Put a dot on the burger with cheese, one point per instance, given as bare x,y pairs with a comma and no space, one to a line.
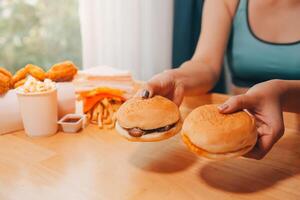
213,135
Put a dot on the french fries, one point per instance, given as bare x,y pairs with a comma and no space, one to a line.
103,114
101,104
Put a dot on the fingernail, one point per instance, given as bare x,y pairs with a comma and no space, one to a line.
222,106
145,94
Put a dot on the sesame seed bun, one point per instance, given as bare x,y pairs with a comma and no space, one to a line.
148,114
213,135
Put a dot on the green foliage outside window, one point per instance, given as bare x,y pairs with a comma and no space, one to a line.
40,32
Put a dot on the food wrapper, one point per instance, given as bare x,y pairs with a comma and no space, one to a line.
105,76
66,98
10,116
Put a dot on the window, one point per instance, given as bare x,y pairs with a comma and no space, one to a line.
39,32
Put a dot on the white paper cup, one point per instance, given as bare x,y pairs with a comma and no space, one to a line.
39,112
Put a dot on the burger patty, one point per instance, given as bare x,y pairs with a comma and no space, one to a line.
138,132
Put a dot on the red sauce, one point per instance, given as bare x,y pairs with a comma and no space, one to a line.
71,120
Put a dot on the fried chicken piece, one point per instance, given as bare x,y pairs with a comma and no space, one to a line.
20,75
6,73
36,72
62,72
5,81
20,83
33,70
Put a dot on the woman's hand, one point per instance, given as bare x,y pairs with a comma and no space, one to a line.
164,84
263,101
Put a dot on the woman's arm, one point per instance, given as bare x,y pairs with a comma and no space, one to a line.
200,74
266,101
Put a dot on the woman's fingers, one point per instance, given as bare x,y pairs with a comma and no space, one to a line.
165,85
145,94
262,147
178,94
236,103
267,137
148,90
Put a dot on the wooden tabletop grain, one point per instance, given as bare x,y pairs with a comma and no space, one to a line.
98,164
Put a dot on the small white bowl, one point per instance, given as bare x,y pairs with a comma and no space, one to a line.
72,127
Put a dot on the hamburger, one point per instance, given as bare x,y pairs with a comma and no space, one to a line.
148,119
213,135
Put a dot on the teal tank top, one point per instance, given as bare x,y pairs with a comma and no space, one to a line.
252,60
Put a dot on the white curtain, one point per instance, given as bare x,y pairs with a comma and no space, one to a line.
128,34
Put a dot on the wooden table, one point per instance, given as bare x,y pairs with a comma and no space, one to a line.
99,164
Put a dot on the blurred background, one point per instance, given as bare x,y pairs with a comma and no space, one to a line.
39,32
142,36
